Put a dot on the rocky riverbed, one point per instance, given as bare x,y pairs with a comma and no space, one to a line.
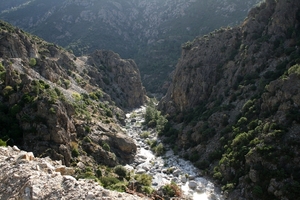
169,167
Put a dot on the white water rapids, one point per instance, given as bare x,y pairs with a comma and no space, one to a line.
183,173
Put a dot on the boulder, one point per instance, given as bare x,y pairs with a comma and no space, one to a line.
193,185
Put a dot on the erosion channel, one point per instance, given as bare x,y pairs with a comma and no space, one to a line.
169,167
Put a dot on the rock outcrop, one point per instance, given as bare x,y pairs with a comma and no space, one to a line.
234,103
120,78
25,177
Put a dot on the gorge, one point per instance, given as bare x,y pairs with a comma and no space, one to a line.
231,113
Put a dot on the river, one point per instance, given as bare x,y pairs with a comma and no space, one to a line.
168,167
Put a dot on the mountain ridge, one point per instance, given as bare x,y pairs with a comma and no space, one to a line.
150,32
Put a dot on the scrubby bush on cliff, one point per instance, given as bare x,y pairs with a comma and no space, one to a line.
32,62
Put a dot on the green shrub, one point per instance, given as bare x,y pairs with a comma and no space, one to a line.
52,110
7,90
2,68
120,187
109,113
67,83
145,134
87,139
217,176
159,149
120,171
99,173
187,45
108,181
228,187
32,62
147,189
295,69
87,129
143,179
3,143
88,175
75,152
172,190
106,146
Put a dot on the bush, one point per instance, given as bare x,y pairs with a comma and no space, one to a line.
120,171
145,134
109,113
295,69
2,68
159,149
172,190
147,189
52,110
87,129
87,139
228,187
7,90
144,179
32,62
120,187
67,83
98,173
106,146
108,181
88,175
217,176
3,143
75,152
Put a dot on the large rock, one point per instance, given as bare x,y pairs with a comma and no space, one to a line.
124,145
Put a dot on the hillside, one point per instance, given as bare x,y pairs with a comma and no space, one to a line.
233,105
150,32
55,104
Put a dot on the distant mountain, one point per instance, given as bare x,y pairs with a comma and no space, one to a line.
150,31
234,104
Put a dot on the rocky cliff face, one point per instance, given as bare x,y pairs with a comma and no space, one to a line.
120,78
235,97
55,104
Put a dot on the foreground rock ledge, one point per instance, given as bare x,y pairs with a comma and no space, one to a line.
22,176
